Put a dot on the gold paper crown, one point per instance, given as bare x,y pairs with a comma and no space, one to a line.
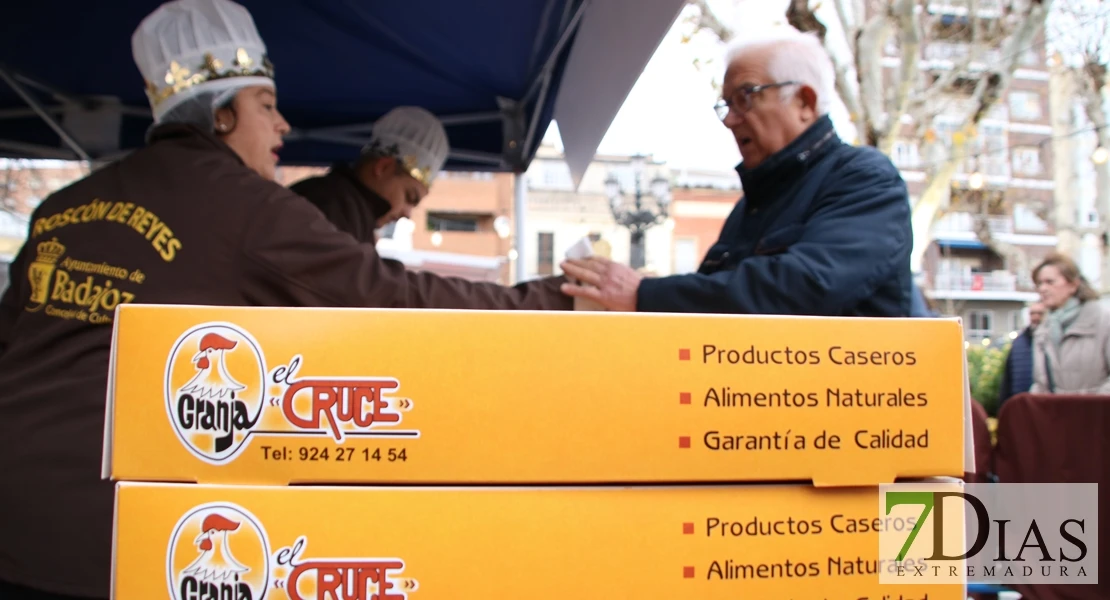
179,78
421,174
50,251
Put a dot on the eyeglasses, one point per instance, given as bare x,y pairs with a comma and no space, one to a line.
741,100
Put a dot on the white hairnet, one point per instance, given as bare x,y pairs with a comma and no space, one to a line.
198,110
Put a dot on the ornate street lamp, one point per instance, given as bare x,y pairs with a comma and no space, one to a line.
638,217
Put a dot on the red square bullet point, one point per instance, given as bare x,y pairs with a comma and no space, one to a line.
684,441
687,528
684,398
688,572
684,354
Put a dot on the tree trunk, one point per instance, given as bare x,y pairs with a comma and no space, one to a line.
1097,116
936,195
1062,91
991,86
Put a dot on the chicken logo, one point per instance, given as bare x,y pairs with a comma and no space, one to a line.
215,379
218,551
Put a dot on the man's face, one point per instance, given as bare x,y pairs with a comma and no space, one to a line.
1036,314
762,122
401,190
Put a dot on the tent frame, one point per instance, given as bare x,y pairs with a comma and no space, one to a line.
514,157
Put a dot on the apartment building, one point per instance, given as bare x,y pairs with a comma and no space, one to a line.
558,215
23,185
1004,185
702,201
1080,166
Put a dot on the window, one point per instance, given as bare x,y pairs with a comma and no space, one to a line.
1027,219
685,255
980,324
1032,58
545,253
905,155
891,47
1025,106
452,222
987,152
556,176
1027,160
952,28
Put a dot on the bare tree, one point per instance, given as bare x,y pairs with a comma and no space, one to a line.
885,107
1081,38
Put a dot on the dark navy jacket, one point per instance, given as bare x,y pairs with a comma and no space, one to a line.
823,229
1017,377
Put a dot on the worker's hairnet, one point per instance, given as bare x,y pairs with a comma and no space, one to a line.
199,110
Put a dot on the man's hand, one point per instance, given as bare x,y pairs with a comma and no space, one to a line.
610,284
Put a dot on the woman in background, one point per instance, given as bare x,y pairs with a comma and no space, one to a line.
1071,349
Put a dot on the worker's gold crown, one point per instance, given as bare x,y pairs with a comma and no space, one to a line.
183,77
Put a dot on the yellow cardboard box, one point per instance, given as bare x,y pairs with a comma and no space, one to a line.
347,543
282,395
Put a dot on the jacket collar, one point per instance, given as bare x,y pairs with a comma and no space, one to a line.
1087,321
1086,324
190,134
379,206
788,164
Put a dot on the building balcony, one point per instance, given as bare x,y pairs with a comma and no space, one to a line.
964,222
997,281
987,8
992,286
953,51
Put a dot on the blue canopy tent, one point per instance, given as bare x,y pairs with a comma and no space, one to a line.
496,71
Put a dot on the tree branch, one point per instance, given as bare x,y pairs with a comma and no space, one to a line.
859,9
847,23
909,40
975,52
707,19
869,68
976,26
989,89
992,85
801,17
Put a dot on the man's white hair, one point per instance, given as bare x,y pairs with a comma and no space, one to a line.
793,56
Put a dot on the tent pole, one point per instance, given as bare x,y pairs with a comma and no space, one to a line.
520,192
549,64
49,120
534,125
544,21
36,150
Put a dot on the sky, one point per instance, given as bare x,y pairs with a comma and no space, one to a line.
669,112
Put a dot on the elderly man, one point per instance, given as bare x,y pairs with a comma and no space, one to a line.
1017,375
823,227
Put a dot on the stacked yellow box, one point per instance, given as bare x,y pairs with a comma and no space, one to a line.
388,454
